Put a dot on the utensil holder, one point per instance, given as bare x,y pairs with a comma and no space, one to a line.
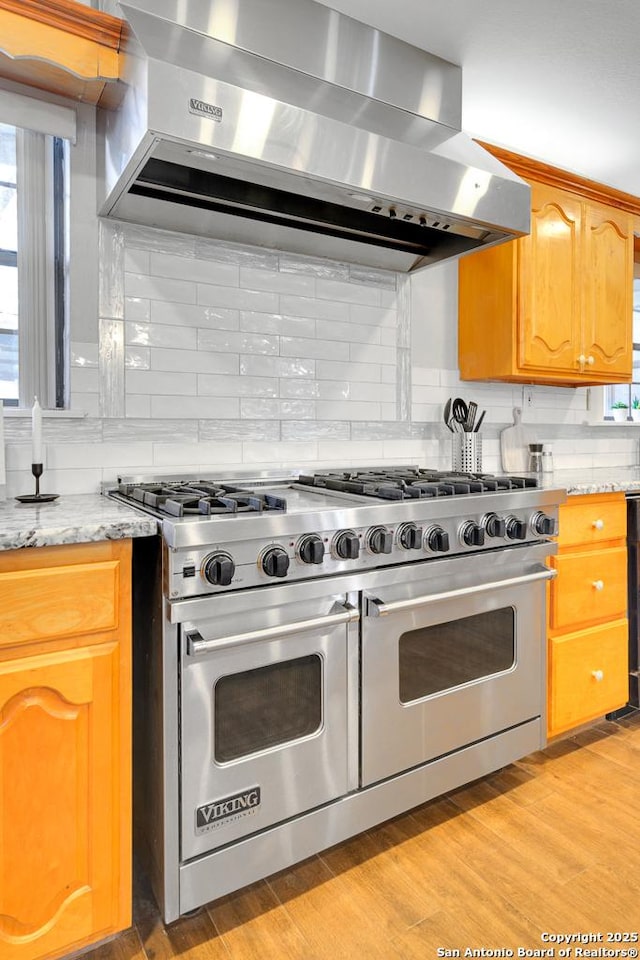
466,452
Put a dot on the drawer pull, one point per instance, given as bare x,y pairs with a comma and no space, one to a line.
598,584
597,675
598,524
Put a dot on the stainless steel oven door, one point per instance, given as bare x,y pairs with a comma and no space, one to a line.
268,710
452,653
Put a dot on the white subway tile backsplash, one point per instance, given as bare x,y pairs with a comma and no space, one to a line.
160,382
252,366
277,324
306,347
237,298
186,315
347,292
234,342
163,408
199,271
193,361
246,356
314,309
159,288
137,358
347,410
232,386
296,284
137,308
333,370
161,335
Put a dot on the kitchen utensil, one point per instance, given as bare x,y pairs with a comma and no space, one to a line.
447,414
460,411
513,450
466,453
479,422
471,416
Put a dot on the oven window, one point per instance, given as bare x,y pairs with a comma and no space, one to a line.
262,708
446,655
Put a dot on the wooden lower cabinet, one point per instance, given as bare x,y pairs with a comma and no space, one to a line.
65,758
587,676
588,671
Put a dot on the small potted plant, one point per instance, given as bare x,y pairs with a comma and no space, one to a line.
619,410
635,408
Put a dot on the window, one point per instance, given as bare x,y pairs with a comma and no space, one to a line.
33,239
622,401
8,267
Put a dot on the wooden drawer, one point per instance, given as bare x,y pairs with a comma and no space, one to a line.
63,601
591,587
592,520
588,675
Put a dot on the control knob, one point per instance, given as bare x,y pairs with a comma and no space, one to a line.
437,540
380,540
516,529
347,545
410,536
311,549
219,569
543,524
472,534
275,562
494,525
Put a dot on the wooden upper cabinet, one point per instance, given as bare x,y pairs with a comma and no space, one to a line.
61,46
548,314
608,312
555,306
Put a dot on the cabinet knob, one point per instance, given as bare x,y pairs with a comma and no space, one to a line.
591,360
598,584
597,675
598,524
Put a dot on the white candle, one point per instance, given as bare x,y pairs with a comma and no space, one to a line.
36,432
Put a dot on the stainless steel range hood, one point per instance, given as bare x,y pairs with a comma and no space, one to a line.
286,124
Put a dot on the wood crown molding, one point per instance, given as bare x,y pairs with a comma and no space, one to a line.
71,17
556,177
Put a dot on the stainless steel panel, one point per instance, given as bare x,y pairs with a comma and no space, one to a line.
315,40
226,870
397,736
294,776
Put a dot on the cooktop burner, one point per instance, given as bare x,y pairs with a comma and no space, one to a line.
411,484
201,498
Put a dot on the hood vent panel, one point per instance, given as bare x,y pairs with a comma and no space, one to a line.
393,187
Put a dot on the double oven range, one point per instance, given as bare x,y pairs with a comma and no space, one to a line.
316,654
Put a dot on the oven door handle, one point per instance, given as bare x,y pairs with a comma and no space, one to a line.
197,645
377,608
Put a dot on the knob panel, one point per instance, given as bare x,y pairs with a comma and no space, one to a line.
275,562
310,549
410,536
347,545
380,540
218,569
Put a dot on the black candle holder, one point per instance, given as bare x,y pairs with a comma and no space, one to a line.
37,497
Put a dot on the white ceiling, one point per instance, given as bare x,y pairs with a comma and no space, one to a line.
557,80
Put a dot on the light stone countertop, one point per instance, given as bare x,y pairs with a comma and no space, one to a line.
595,480
78,518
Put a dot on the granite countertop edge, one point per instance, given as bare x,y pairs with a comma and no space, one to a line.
76,518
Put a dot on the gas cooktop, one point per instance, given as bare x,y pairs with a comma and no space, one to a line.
212,498
225,534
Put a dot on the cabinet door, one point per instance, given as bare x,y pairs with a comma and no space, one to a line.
588,675
608,304
549,287
64,802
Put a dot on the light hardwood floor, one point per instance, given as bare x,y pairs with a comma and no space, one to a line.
548,844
